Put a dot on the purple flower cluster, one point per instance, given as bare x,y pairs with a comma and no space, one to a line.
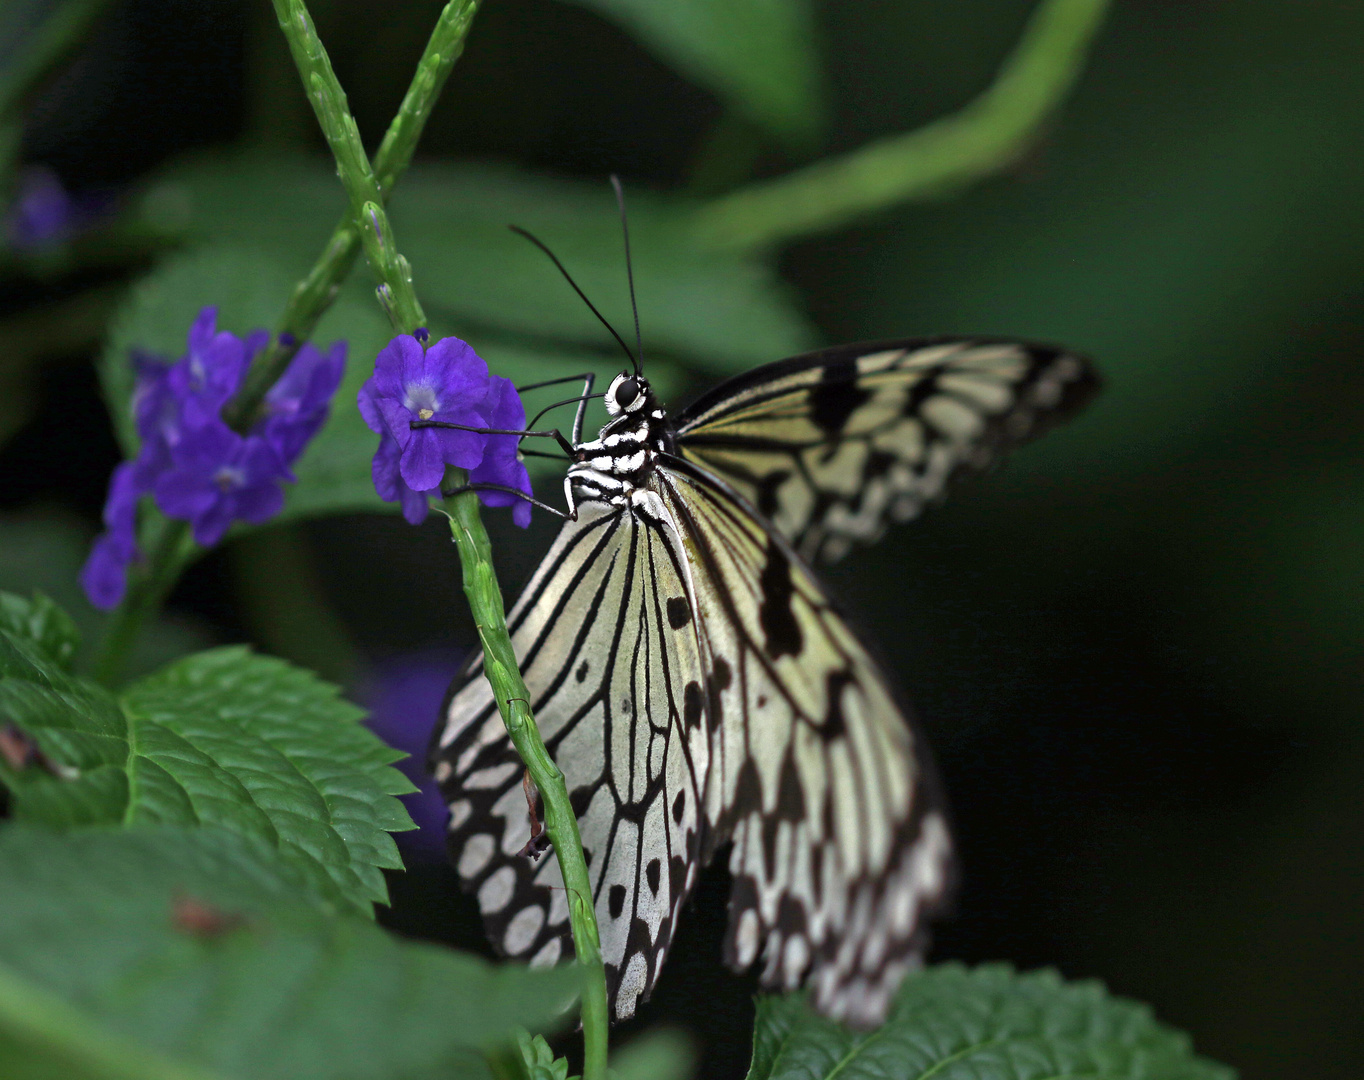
197,468
446,381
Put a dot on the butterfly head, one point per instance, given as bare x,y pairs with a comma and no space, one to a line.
628,393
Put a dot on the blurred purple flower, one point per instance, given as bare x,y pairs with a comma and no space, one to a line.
104,576
196,467
448,382
404,699
217,477
297,405
44,214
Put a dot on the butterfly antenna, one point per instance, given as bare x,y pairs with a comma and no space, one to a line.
582,295
629,270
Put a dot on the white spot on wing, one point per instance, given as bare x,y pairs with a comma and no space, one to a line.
478,849
523,928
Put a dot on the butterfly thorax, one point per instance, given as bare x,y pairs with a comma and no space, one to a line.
615,467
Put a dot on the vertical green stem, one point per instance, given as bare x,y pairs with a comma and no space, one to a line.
170,554
314,294
399,299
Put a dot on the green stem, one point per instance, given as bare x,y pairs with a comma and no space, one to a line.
172,549
310,300
513,701
987,135
399,300
314,294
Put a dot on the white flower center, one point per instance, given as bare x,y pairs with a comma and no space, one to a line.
229,479
421,399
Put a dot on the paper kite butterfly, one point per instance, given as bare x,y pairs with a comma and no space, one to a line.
698,686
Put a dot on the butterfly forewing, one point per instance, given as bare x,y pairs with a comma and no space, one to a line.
833,445
607,645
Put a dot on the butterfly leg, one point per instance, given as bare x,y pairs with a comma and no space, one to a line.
573,516
552,433
582,399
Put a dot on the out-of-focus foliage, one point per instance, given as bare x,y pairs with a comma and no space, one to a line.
722,312
758,56
199,946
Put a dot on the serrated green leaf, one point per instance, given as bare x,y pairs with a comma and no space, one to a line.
758,56
222,738
720,311
43,623
226,736
196,945
987,1023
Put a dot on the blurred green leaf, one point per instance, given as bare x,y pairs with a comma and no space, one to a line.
33,36
45,551
656,1055
722,312
987,1023
758,56
222,738
42,622
197,946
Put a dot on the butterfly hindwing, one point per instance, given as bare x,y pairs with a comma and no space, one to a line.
840,845
832,445
607,646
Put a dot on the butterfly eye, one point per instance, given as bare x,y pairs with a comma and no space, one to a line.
626,393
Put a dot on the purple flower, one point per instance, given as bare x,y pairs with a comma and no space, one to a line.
501,462
44,214
448,382
297,405
196,467
105,574
389,482
218,477
404,701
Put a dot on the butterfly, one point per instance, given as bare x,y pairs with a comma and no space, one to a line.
698,686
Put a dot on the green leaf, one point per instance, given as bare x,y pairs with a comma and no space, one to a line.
195,945
656,1055
987,1023
223,738
275,752
758,56
720,311
43,623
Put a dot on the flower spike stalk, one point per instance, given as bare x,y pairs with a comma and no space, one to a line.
399,300
168,543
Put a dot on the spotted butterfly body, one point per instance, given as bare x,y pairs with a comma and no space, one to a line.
698,687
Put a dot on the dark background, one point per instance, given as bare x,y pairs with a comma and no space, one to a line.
1137,648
